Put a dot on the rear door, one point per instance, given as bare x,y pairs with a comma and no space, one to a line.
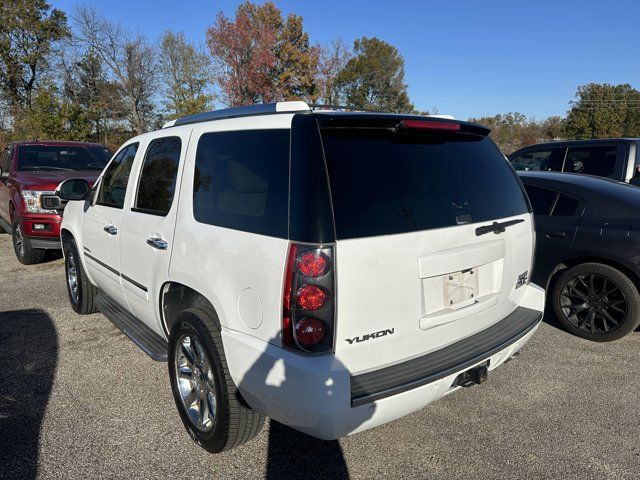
101,224
557,217
148,224
414,260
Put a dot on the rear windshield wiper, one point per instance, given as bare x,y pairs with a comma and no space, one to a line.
497,227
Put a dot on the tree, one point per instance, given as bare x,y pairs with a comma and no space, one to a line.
333,58
259,57
603,110
91,97
374,77
129,59
185,74
28,31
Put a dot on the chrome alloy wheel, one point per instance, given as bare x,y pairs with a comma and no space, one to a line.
593,303
72,276
19,239
196,382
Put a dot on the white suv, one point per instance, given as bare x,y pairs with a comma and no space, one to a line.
331,270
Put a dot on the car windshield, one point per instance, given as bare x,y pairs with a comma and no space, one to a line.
62,158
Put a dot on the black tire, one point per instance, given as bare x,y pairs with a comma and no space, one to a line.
597,302
235,422
25,253
83,302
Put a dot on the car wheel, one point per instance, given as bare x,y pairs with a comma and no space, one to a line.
81,291
210,406
597,302
22,247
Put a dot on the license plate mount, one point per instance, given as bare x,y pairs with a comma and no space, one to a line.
460,288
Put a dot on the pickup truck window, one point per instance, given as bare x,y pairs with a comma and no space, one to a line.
549,159
158,178
65,158
596,160
113,186
241,181
5,160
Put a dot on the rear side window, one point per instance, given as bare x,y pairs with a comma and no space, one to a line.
567,207
241,181
113,186
158,177
384,183
539,160
598,160
541,199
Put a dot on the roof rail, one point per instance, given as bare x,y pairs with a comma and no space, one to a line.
250,110
320,106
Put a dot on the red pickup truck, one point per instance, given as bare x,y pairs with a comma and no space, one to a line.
30,172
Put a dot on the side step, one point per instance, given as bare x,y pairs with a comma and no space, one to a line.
145,338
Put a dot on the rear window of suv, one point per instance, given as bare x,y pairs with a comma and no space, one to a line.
383,183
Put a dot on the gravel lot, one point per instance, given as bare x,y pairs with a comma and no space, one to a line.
79,400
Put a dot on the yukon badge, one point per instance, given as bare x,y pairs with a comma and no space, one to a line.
371,336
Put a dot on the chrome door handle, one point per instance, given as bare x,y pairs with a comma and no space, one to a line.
157,243
110,229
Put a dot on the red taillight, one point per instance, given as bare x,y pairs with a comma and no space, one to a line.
313,264
310,331
309,287
311,297
430,125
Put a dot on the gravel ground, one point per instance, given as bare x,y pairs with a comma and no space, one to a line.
79,400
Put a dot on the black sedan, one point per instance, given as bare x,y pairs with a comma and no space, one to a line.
587,251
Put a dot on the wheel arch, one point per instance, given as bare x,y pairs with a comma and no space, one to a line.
578,260
175,297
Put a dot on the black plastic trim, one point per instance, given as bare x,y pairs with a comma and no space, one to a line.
45,243
102,264
372,386
310,208
145,338
133,282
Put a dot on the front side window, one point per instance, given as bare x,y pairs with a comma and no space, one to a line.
59,158
539,160
5,160
113,185
241,181
599,160
157,183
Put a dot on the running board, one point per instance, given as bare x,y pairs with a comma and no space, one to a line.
145,338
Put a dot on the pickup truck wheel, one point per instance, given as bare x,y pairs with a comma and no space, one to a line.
81,292
25,254
597,302
211,409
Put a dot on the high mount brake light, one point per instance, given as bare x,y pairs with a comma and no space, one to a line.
430,125
308,299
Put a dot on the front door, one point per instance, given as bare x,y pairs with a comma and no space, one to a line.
102,224
147,227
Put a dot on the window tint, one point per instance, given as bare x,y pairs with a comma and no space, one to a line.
541,199
158,178
567,207
600,161
113,186
539,160
242,181
384,183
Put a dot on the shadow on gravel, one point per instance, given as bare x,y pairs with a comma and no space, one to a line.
28,355
293,454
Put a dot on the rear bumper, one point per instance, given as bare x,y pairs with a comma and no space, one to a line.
319,396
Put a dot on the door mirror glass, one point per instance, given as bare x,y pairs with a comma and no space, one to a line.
73,189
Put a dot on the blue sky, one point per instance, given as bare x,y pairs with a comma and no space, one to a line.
467,58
